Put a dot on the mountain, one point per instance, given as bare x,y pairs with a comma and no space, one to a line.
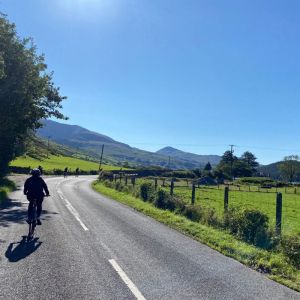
191,157
270,170
91,142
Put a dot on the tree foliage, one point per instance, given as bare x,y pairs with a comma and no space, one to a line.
250,159
232,166
27,92
290,167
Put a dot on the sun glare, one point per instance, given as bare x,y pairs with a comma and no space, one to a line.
88,9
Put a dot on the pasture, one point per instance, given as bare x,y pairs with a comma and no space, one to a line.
240,197
60,162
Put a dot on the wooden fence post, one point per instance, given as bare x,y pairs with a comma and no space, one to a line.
155,183
133,181
172,187
126,179
226,194
193,193
278,213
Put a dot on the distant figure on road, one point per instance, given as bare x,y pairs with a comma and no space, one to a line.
76,172
34,188
41,169
66,172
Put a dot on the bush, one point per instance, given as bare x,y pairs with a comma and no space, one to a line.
291,249
147,191
250,225
108,183
209,217
161,199
193,213
119,186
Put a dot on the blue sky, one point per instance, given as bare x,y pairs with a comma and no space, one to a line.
196,75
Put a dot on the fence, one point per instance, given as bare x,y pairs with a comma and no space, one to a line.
281,205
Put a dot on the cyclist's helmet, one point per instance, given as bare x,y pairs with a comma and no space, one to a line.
36,172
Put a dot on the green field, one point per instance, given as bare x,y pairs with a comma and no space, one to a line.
240,197
60,162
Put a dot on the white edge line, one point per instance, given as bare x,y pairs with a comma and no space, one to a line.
126,280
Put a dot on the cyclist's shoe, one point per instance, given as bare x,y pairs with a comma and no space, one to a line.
38,222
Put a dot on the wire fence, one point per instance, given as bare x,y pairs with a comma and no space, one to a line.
239,197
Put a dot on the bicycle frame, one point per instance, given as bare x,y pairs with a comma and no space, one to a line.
32,220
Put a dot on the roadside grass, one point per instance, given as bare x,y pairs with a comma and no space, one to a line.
60,162
6,186
272,263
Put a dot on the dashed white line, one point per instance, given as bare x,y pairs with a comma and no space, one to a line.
126,280
72,210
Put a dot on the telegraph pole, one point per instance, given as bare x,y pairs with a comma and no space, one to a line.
231,162
48,146
100,164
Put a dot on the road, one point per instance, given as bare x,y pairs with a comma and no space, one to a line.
91,247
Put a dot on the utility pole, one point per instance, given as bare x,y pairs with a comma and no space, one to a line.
48,146
231,162
100,164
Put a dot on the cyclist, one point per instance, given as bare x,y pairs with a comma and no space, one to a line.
34,188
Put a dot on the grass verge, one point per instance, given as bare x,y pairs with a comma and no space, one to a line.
273,264
6,186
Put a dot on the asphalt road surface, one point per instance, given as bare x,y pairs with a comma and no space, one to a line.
91,247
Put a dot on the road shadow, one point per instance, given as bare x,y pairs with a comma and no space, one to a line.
20,250
14,211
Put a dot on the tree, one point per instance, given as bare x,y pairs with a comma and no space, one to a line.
228,157
289,167
250,159
27,92
207,167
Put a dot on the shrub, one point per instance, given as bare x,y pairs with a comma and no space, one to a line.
193,213
119,186
232,219
253,226
162,199
291,249
108,183
209,217
147,191
250,225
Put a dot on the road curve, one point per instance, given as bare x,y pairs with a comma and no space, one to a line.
91,247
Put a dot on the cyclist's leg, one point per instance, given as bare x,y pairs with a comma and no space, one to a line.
30,209
39,203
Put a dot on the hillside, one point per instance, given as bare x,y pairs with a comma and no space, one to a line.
59,162
191,157
119,153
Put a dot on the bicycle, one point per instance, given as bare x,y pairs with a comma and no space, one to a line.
32,220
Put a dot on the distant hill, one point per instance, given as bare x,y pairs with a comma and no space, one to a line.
91,142
270,170
191,157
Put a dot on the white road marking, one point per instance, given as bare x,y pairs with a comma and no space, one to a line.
72,210
126,280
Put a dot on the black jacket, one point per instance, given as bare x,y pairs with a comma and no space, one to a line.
34,187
